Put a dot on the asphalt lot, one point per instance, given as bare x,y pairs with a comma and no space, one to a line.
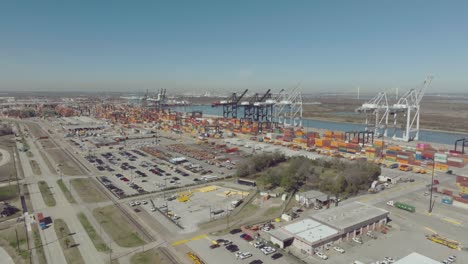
203,205
136,168
222,255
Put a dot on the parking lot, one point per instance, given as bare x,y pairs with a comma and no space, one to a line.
223,255
131,171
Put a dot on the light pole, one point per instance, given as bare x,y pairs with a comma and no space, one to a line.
431,185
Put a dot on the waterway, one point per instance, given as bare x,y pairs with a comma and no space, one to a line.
424,135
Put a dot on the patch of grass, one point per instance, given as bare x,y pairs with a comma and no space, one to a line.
29,154
10,244
273,210
149,257
68,165
66,192
35,167
70,250
38,246
8,192
47,195
88,191
117,226
95,237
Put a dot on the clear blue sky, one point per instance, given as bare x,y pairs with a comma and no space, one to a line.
231,45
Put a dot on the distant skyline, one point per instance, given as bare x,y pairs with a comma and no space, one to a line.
326,46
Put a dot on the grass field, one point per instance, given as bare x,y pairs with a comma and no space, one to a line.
149,257
66,192
8,192
68,166
95,237
88,191
35,130
35,167
71,252
8,171
9,243
47,195
38,245
117,226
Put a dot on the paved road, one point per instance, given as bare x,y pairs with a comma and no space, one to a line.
6,259
63,210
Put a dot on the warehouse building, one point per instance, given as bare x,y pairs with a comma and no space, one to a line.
101,141
352,219
329,226
415,258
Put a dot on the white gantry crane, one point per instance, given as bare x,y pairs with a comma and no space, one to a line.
410,106
288,107
377,111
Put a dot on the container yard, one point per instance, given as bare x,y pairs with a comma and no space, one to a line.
178,169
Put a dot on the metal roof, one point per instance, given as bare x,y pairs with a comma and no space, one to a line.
416,258
310,230
349,215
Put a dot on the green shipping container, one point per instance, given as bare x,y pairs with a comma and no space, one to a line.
405,207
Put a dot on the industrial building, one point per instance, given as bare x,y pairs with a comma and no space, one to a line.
393,179
352,219
101,142
329,226
416,258
312,198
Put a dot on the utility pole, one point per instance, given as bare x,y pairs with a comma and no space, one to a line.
432,186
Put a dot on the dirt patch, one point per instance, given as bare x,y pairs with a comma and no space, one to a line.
117,226
68,165
35,131
47,144
35,167
88,192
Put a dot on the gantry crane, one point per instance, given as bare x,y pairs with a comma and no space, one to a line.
230,105
377,111
288,107
264,108
160,101
410,106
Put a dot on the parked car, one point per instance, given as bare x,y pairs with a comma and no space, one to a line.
213,246
245,255
276,256
321,255
235,231
357,240
338,249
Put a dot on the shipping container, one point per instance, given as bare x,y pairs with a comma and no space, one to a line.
405,207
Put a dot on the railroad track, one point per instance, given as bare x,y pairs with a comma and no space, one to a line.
119,206
168,255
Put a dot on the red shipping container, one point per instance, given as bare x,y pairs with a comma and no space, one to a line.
447,192
461,179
